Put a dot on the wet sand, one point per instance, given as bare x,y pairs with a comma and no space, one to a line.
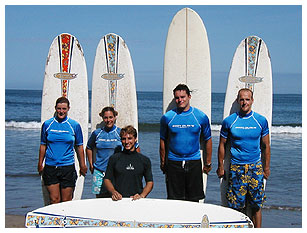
14,221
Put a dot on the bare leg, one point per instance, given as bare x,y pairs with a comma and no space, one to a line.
66,194
257,218
54,193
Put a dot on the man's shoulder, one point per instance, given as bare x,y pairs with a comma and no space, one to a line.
259,116
198,112
231,117
116,156
143,157
169,114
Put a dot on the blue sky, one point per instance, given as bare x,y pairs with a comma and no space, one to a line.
30,29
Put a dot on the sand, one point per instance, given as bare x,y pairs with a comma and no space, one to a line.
14,221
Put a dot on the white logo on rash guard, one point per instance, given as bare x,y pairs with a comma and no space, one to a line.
130,167
59,131
183,126
246,127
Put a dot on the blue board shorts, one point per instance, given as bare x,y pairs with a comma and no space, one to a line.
97,184
246,184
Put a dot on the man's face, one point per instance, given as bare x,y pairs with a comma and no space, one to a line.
245,101
182,100
128,141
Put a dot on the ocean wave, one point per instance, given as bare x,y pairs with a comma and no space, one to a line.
290,208
147,127
23,125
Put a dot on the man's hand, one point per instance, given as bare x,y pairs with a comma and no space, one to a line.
116,196
207,168
136,197
220,172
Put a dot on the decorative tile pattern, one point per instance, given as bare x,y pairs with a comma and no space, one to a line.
252,44
65,47
39,220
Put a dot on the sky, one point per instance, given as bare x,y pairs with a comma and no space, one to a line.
30,30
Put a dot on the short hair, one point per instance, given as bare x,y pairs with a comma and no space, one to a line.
245,89
108,109
61,100
182,87
128,130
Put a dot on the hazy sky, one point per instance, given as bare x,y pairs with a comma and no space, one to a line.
30,29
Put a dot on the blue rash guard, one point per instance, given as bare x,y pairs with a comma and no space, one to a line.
183,130
105,141
245,133
60,139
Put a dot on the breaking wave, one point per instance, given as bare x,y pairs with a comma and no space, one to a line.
147,127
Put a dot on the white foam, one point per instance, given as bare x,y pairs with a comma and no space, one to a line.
275,129
23,125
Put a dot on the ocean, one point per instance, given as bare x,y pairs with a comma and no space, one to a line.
284,187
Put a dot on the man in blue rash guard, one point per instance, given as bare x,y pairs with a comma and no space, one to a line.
181,131
60,135
248,133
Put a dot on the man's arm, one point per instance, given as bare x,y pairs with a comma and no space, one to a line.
109,186
266,155
162,155
221,155
147,189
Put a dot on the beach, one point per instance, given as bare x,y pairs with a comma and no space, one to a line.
23,194
14,221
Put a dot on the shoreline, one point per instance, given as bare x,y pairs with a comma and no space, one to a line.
14,221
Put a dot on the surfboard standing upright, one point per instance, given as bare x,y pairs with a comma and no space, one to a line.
187,60
66,75
113,82
251,68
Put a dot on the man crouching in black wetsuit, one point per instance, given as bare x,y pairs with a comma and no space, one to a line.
126,169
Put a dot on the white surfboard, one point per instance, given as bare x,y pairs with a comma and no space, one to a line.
66,75
113,82
251,68
187,61
146,213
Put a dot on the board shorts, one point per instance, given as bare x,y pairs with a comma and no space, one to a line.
97,184
184,180
246,184
66,176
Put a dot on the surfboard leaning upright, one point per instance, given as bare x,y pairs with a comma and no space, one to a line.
251,68
187,61
113,82
66,75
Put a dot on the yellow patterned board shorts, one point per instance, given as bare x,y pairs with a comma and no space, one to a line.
246,184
